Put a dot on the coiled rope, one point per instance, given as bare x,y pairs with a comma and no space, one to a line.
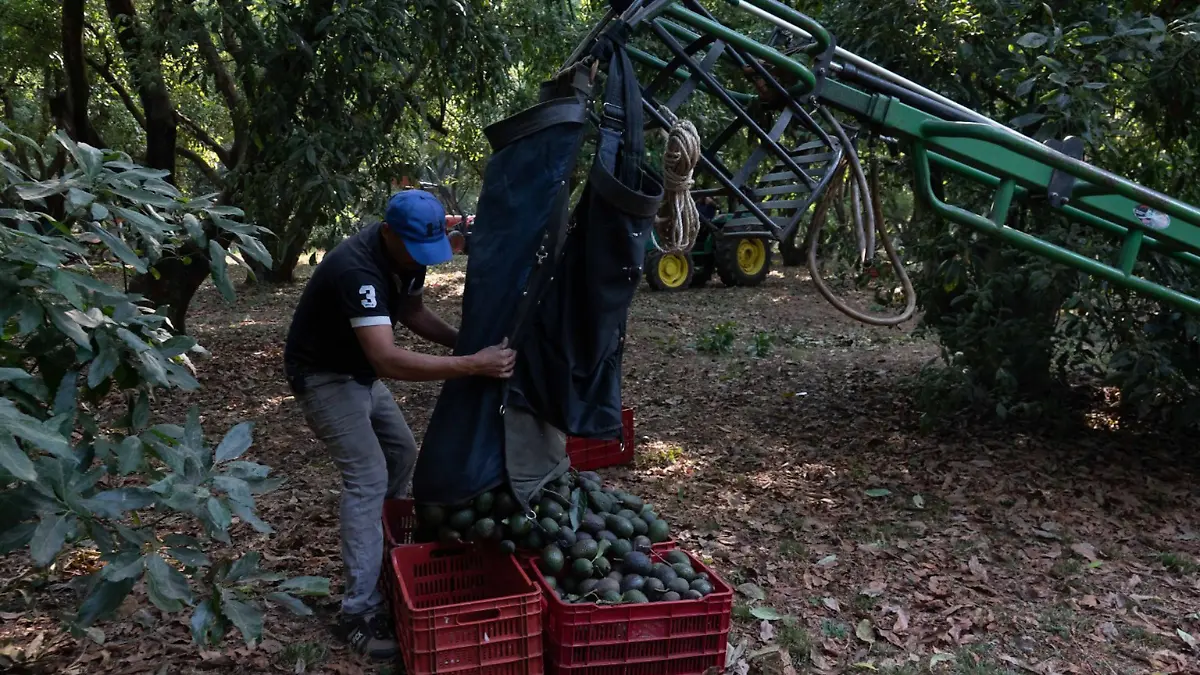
678,223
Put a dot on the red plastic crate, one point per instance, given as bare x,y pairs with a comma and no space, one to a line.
588,454
463,609
399,522
658,638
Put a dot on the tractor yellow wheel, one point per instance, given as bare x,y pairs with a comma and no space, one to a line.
668,271
751,256
743,261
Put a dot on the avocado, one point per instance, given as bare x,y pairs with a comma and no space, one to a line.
590,475
606,534
678,585
447,535
632,582
654,588
533,541
685,571
607,584
484,503
634,596
589,485
462,520
671,596
552,583
664,573
569,584
642,543
485,528
551,509
566,537
640,526
621,548
591,523
580,535
602,566
503,505
508,546
600,501
552,560
610,596
549,527
702,587
588,586
637,563
582,568
626,514
648,515
677,556
620,526
432,516
584,548
658,531
520,525
633,502
692,595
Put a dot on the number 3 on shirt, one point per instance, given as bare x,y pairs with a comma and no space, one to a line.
368,293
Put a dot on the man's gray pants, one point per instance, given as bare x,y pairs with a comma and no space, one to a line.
371,444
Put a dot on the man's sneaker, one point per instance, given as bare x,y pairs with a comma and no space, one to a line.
371,635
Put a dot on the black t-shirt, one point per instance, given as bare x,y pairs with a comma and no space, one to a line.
353,286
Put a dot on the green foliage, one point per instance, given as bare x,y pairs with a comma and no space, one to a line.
1015,330
717,339
148,497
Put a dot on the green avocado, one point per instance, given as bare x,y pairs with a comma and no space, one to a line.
582,568
634,596
462,520
552,560
484,503
659,531
585,548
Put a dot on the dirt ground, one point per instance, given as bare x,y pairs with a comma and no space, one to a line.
796,463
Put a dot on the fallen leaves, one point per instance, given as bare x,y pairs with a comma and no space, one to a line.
946,568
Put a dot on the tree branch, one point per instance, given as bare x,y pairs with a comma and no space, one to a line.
229,91
204,167
107,76
203,136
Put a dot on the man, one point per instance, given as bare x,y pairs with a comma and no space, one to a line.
340,343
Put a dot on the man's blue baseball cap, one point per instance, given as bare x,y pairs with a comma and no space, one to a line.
419,219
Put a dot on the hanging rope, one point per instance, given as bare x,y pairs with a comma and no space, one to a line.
678,224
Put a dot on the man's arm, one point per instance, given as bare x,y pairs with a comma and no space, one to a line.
392,362
421,320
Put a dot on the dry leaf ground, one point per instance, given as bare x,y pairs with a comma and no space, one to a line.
800,469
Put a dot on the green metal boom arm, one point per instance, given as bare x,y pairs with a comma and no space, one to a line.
994,156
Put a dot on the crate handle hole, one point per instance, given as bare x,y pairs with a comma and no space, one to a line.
478,616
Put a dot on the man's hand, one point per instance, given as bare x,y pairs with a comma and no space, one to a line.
495,361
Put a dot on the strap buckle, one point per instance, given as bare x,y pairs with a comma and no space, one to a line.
612,116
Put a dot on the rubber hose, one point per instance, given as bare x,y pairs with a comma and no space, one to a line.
909,294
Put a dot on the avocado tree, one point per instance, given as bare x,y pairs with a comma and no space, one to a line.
146,500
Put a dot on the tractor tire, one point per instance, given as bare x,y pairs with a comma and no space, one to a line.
743,262
791,250
669,271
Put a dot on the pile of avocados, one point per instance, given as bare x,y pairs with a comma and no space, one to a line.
594,540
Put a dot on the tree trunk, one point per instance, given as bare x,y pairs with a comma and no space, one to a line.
146,67
78,90
176,285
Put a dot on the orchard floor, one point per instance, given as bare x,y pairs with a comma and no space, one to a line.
803,473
